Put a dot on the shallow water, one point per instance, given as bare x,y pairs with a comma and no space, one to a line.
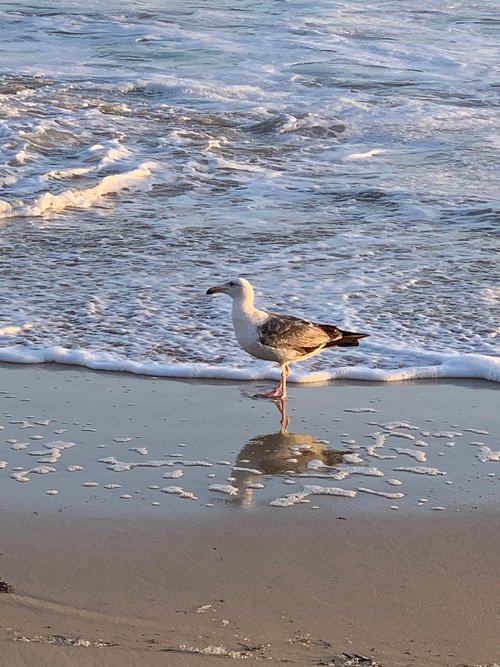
343,158
100,443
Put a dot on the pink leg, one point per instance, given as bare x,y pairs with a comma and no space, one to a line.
285,374
276,392
280,390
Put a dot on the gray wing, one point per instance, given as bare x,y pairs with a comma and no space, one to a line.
294,333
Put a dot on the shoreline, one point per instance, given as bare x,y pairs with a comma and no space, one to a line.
432,366
108,435
114,442
156,578
54,366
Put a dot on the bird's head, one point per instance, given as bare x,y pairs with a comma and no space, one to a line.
236,288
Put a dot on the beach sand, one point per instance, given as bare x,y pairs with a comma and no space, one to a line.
214,578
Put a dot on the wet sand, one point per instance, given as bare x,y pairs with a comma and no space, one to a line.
105,580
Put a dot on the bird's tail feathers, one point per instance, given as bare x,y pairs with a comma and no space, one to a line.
349,339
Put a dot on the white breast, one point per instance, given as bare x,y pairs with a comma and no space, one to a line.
246,330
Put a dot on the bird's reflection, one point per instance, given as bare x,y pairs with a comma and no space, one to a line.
277,454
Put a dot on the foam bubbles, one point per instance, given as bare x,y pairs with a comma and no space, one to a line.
486,454
384,494
308,490
421,470
417,454
173,474
228,489
179,491
49,202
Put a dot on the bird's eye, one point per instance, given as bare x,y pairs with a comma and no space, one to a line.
232,284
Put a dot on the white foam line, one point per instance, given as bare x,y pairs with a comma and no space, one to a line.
421,470
453,366
400,434
179,491
302,496
252,471
371,452
384,494
392,426
337,476
74,198
224,488
363,156
54,453
477,431
417,454
369,471
22,475
122,466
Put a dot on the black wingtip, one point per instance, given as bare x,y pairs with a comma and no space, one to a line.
350,339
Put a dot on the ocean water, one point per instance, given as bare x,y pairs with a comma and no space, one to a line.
343,156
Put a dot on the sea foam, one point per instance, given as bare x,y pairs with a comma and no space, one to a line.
459,366
131,184
74,198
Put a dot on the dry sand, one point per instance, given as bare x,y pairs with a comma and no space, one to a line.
102,581
418,593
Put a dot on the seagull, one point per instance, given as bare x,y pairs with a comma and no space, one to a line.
280,338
